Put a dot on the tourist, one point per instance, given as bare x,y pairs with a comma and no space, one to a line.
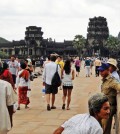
60,62
77,66
109,87
13,67
88,123
67,76
33,64
47,60
87,66
6,105
113,68
29,60
6,75
97,64
22,83
48,72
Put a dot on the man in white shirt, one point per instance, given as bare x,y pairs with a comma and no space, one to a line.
13,67
48,72
99,108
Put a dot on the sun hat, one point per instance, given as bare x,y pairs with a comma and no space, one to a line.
113,62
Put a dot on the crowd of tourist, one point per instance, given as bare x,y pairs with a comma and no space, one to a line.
16,77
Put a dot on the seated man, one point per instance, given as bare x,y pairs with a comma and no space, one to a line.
88,123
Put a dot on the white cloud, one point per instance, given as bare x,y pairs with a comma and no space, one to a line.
59,19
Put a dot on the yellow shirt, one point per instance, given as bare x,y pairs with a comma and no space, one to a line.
61,63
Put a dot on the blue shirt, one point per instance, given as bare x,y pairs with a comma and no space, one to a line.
116,76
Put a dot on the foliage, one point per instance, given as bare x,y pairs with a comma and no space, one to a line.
3,55
2,40
113,43
79,43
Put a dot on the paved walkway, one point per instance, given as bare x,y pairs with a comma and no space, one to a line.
37,120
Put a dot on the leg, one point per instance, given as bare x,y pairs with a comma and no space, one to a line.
48,98
88,71
53,100
69,98
48,101
64,97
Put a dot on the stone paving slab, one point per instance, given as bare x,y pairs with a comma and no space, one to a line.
37,120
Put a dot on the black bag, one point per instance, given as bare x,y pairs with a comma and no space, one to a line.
56,80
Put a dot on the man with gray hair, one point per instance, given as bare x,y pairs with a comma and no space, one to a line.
88,123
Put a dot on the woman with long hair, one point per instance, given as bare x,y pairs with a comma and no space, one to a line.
67,76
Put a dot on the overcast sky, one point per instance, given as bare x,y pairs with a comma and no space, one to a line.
59,19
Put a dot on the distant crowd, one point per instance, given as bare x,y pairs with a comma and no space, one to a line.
15,81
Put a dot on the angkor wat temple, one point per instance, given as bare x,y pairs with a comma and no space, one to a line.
35,46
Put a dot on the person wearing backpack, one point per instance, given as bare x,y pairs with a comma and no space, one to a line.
48,73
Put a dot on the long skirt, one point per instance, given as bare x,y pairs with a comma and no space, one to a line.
22,95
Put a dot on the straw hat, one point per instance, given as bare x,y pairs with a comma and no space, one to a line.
112,62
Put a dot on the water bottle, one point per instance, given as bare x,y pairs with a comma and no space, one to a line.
43,92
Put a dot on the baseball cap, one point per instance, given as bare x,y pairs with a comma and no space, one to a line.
103,67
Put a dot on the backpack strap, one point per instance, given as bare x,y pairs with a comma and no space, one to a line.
57,68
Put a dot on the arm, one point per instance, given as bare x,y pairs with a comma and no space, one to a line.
73,74
58,130
44,75
17,81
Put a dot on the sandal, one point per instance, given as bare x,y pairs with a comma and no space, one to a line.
68,108
26,107
53,107
63,107
18,108
48,107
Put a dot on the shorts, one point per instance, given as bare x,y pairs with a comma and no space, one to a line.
77,68
50,89
68,87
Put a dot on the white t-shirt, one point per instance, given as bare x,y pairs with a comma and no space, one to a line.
6,99
82,124
13,67
49,71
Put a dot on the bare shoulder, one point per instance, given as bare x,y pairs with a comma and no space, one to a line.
58,130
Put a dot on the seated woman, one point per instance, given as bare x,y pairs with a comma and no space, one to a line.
89,123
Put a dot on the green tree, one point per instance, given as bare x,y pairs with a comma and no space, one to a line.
79,44
3,55
113,44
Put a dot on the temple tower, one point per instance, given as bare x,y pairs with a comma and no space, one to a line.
97,35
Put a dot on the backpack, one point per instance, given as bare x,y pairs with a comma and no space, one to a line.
56,80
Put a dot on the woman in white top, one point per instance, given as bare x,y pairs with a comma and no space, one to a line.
23,85
67,76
